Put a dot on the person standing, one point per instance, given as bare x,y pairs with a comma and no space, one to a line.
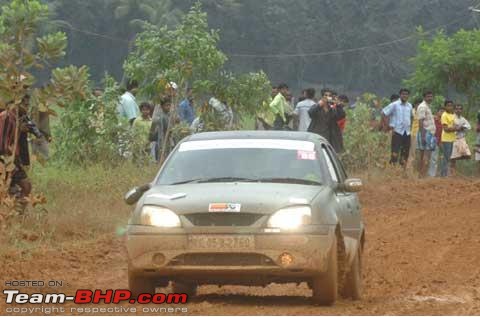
399,114
448,136
426,142
415,127
301,110
460,150
265,116
128,108
325,119
186,113
141,127
159,128
279,106
21,157
433,166
342,102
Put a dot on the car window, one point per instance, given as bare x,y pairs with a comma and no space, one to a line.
330,165
339,166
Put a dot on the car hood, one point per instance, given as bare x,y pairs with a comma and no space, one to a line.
264,198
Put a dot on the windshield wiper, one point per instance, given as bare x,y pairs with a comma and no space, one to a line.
215,179
226,179
289,180
187,181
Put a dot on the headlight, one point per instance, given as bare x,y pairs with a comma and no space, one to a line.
159,217
291,218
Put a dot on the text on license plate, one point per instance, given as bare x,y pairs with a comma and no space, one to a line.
221,242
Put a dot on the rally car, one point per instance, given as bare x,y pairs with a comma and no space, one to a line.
248,208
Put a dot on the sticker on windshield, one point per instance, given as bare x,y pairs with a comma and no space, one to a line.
224,207
307,155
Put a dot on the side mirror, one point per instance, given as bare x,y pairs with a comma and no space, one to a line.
134,195
352,185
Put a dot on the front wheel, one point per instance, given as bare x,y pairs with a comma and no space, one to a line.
138,284
353,281
325,286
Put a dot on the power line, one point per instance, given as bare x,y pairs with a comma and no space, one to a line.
343,51
93,34
333,52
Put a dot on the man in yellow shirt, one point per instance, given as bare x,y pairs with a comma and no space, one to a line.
279,107
448,136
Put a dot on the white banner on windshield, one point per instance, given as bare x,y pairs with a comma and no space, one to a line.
279,144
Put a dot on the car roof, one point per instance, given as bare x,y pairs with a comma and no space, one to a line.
284,135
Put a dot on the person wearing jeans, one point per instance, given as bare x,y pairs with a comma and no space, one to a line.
448,136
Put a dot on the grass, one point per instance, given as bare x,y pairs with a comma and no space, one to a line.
82,204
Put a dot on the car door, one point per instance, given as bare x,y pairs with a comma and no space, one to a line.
349,211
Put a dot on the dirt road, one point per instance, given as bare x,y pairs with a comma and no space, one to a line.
422,258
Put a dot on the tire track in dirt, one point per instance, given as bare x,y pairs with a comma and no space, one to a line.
421,257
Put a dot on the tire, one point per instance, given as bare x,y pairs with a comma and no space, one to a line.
184,288
138,284
325,286
353,280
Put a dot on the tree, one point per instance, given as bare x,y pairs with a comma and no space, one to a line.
448,62
157,12
188,55
22,52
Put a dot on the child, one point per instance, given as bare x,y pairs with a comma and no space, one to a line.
460,147
142,125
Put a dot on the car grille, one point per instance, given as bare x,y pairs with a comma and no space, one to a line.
221,259
225,219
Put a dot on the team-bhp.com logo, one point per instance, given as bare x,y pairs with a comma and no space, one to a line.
85,296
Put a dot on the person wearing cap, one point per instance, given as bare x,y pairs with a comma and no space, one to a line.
128,107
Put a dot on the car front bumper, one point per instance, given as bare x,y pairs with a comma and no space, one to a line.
175,253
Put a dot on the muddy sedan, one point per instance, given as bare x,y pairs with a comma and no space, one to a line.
248,208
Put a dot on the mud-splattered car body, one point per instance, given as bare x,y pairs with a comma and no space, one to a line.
254,230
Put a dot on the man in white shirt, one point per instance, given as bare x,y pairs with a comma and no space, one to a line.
426,142
301,110
128,107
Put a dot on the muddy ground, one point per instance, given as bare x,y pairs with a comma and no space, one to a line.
422,258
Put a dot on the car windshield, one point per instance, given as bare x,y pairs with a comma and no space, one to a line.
269,161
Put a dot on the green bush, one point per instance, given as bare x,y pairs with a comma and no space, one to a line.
365,148
91,132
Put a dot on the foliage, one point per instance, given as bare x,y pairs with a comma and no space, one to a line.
185,53
90,131
19,24
157,12
188,55
445,62
365,146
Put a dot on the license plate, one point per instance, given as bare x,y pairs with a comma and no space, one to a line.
221,242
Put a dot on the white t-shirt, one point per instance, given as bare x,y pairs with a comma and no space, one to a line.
301,110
